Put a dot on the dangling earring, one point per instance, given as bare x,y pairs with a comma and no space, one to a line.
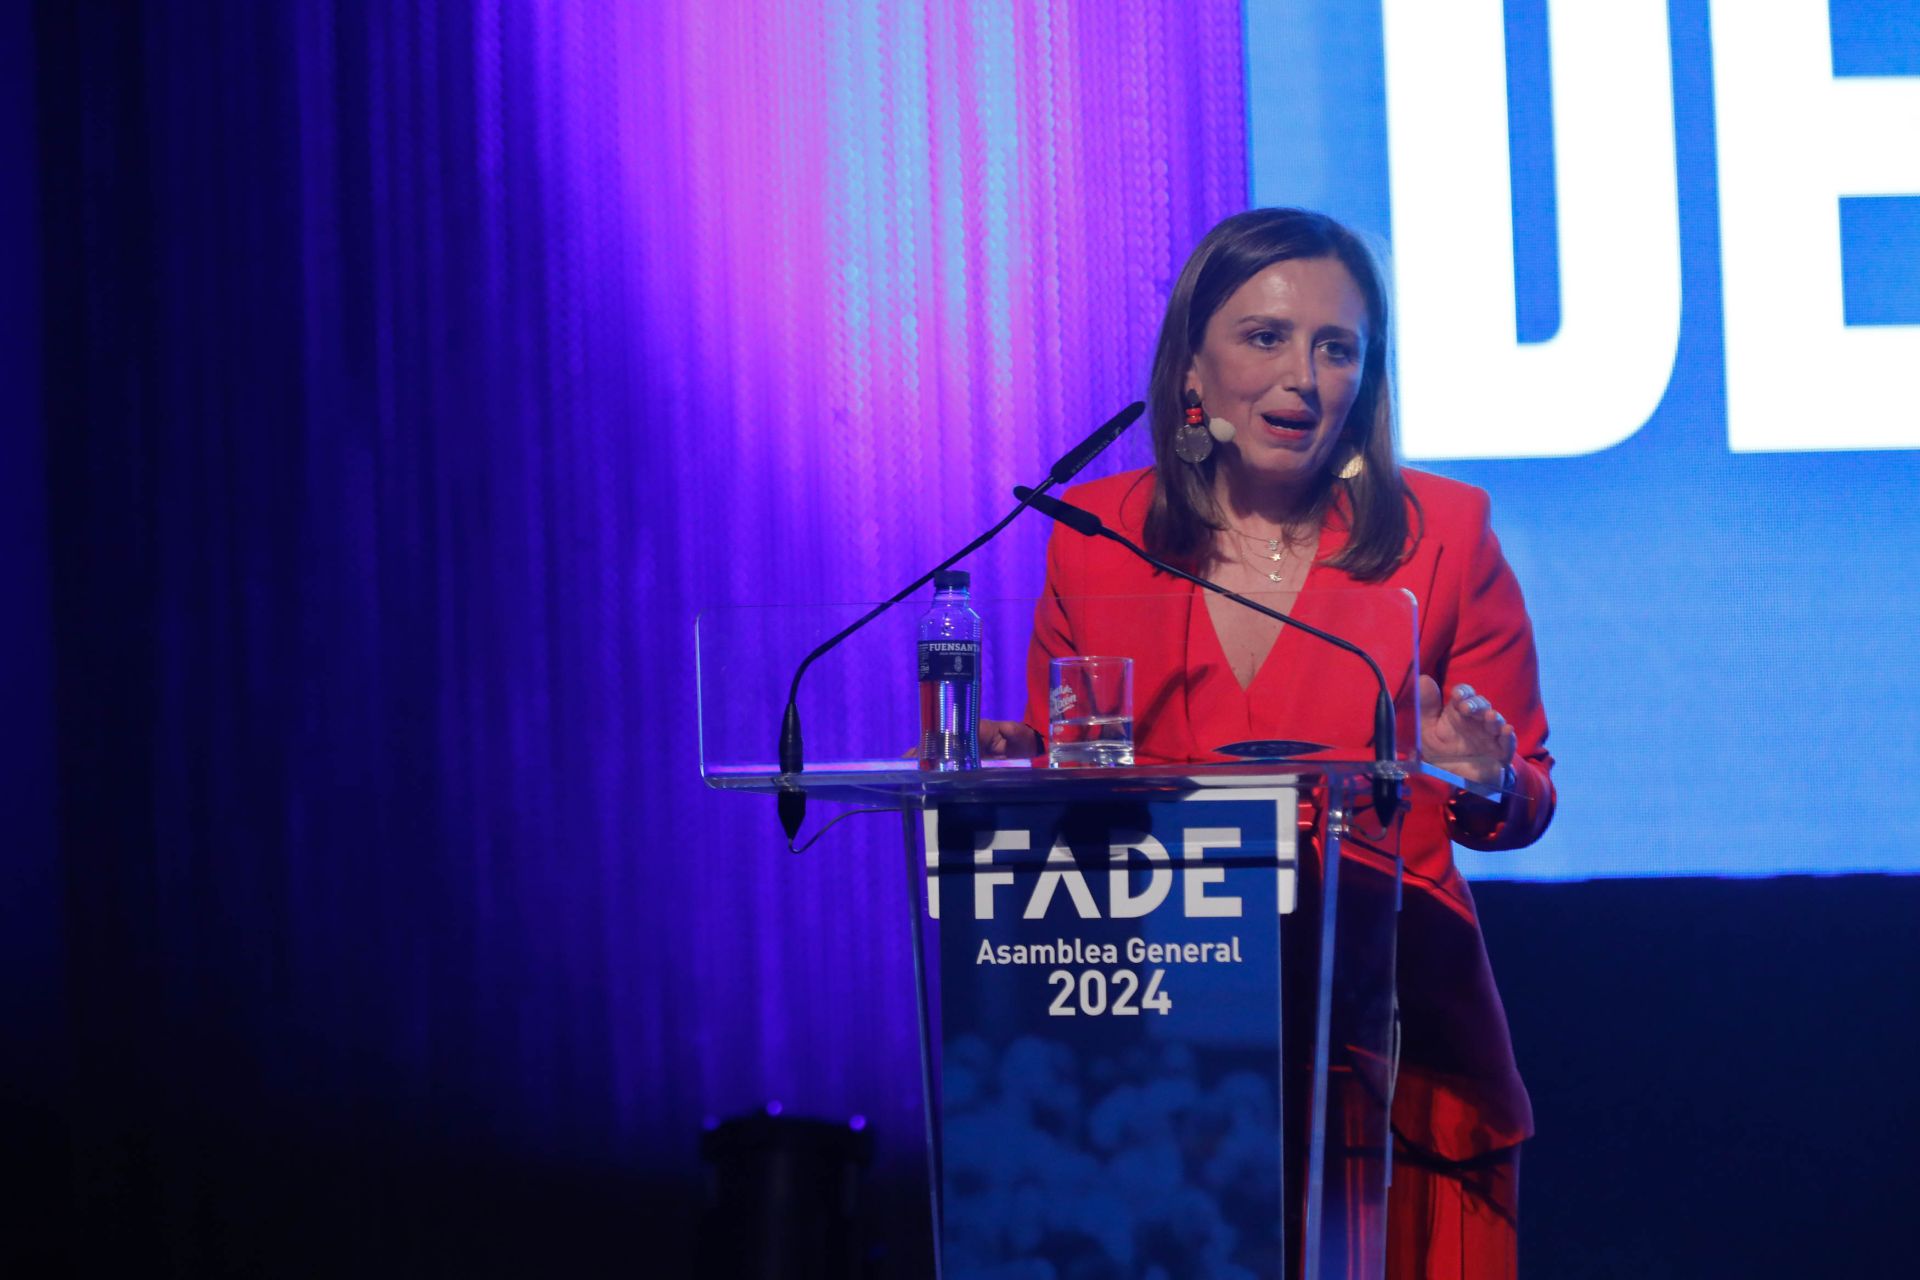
1353,466
1192,439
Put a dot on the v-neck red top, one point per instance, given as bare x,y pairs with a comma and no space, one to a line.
1459,1092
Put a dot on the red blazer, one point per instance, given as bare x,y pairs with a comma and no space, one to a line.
1459,1092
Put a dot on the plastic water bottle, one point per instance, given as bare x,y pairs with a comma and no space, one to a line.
949,652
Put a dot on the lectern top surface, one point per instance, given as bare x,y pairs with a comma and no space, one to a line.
902,782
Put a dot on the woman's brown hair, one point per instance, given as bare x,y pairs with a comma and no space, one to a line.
1184,515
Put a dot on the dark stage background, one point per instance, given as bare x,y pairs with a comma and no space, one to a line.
388,386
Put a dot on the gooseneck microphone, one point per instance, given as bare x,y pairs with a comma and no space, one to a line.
791,801
1386,788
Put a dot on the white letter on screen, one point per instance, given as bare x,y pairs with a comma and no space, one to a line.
985,843
1793,139
1052,878
1121,904
1468,387
930,833
1196,878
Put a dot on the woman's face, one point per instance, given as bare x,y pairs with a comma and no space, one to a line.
1281,360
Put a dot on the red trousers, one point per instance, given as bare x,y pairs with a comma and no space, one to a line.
1448,1221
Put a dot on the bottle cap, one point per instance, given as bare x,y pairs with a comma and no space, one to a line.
951,580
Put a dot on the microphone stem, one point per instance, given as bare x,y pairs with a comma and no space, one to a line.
792,759
792,800
790,722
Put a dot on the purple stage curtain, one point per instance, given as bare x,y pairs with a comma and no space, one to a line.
415,372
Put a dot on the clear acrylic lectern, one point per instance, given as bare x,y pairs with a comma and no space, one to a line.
1157,1001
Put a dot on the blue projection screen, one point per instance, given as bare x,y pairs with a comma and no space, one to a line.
1658,276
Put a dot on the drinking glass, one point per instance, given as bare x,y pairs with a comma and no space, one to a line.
1089,712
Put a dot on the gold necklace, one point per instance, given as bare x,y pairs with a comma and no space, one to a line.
1275,553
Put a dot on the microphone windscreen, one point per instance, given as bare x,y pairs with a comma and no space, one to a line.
1087,450
1075,518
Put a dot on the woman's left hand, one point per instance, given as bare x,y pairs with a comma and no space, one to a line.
1463,733
1008,740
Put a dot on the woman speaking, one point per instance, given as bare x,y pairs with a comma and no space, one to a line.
1275,474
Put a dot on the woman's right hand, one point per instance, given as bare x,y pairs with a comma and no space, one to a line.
1009,740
